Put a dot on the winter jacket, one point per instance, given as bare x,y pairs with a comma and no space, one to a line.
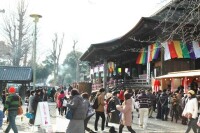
114,118
101,103
36,100
79,111
13,101
60,102
144,101
191,107
163,100
126,110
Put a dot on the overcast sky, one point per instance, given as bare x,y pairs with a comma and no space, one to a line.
86,21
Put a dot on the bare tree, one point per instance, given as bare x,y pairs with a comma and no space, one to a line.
57,47
180,19
17,33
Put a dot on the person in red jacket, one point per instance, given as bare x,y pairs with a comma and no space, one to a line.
61,97
121,96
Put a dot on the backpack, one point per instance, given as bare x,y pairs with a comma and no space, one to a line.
95,104
111,106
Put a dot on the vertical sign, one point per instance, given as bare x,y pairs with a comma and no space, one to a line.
42,115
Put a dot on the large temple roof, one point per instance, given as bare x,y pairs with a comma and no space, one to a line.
148,30
122,46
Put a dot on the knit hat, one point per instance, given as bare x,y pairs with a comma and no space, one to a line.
12,90
191,92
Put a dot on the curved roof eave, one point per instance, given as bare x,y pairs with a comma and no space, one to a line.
109,44
141,24
98,46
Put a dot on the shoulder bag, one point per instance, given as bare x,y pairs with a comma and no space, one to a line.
19,110
69,114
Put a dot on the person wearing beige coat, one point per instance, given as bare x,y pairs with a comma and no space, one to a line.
100,110
126,113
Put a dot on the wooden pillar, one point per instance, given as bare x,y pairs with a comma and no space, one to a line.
148,72
105,70
162,60
161,65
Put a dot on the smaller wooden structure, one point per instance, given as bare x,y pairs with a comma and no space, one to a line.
15,75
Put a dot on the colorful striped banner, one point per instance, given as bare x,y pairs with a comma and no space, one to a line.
177,46
172,49
142,56
139,57
154,50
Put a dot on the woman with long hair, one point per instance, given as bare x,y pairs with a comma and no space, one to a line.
126,113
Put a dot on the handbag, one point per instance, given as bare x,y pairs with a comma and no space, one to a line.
188,115
69,114
90,112
19,110
29,115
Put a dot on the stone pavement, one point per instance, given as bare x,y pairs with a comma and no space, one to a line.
59,125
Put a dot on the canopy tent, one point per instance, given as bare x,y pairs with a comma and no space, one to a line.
180,74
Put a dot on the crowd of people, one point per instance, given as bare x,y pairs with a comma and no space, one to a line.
113,107
118,107
11,101
167,105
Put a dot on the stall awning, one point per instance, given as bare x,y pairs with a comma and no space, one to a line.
179,74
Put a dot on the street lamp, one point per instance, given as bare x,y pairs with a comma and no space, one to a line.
36,19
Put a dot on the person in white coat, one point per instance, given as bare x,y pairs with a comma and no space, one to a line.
190,111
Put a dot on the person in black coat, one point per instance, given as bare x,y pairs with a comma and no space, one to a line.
158,116
36,100
164,105
53,91
45,96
